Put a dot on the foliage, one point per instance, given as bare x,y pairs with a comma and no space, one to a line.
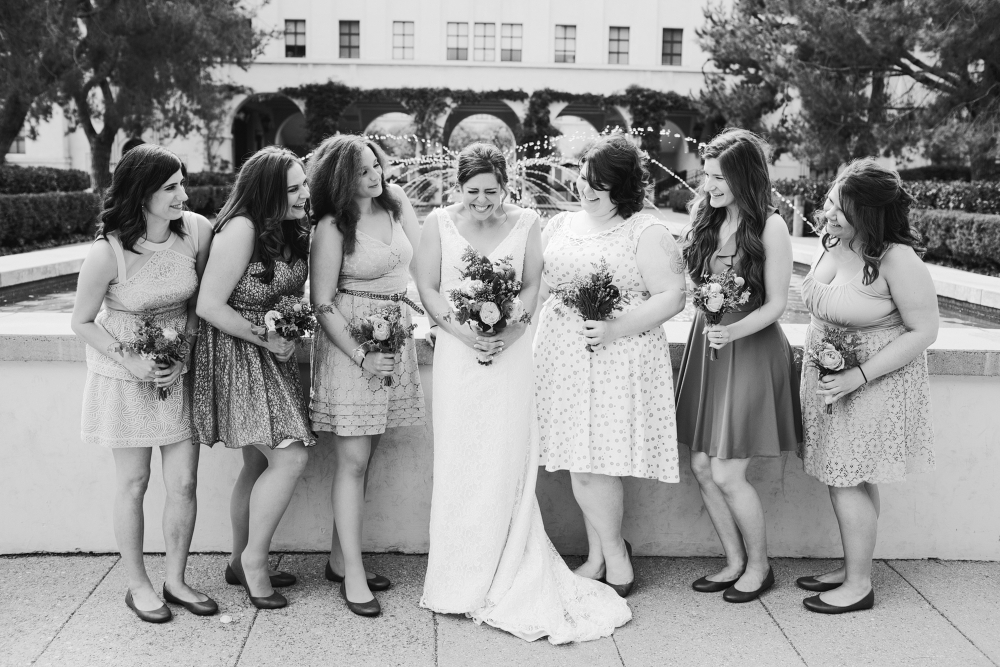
198,178
937,172
972,239
679,197
207,199
33,218
974,197
15,180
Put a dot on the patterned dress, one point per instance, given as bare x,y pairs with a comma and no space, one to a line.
345,399
882,430
155,281
242,394
610,411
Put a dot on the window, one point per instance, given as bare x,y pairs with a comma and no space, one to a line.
295,39
618,46
458,41
17,146
350,39
402,40
510,42
672,46
485,42
565,43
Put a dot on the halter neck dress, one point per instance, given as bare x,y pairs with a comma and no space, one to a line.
746,402
882,430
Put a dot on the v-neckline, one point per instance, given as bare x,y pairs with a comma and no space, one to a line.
469,243
392,234
831,284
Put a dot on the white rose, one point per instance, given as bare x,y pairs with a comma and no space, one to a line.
270,317
297,308
380,330
738,281
714,302
714,288
476,284
170,334
490,313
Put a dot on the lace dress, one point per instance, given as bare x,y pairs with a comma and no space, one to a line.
881,431
489,555
346,399
242,394
610,411
155,281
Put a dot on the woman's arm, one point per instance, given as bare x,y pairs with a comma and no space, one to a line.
411,227
205,234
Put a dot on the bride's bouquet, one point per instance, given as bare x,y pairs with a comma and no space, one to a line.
292,318
488,295
382,330
721,293
593,297
161,345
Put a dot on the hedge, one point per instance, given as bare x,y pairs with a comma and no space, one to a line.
32,218
207,199
936,173
15,180
200,178
972,239
678,198
974,197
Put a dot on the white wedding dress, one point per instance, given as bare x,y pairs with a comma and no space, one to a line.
489,555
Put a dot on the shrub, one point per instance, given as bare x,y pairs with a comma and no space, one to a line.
30,218
974,197
16,180
200,178
936,173
207,199
972,239
678,198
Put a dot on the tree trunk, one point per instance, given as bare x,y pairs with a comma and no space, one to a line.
100,158
14,112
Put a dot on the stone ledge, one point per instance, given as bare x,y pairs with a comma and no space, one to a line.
41,264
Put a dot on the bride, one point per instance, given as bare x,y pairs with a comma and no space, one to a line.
489,555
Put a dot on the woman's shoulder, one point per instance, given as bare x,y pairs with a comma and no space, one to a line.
900,256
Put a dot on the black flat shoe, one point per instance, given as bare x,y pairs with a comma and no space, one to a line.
623,590
817,605
706,585
370,608
273,601
815,585
161,615
204,608
376,583
734,594
279,580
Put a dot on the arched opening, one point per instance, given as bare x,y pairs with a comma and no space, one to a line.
482,127
498,109
576,134
267,119
392,131
600,119
674,155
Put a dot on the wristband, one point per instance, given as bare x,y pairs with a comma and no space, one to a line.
360,361
115,347
863,373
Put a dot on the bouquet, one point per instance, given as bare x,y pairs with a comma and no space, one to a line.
291,318
161,345
835,352
594,297
488,295
382,330
721,293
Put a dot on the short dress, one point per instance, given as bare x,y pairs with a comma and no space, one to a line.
345,399
746,402
881,431
155,281
610,411
243,395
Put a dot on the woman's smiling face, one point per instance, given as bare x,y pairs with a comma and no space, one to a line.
720,195
167,203
482,195
297,191
595,202
837,225
370,179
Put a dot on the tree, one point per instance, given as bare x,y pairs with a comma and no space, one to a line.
834,80
143,64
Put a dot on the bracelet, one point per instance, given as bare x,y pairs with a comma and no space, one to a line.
863,373
115,347
363,355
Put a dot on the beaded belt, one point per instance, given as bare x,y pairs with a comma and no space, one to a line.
384,297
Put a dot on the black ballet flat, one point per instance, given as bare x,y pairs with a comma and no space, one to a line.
706,585
817,605
623,590
273,601
370,608
733,594
203,608
815,585
161,615
279,580
376,583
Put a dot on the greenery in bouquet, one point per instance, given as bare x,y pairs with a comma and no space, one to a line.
594,296
837,351
488,294
382,330
291,318
718,294
162,345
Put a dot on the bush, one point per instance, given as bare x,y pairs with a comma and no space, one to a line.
207,199
972,239
31,218
200,178
936,173
678,198
974,197
15,180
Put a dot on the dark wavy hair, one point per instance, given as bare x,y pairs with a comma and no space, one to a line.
261,195
140,173
874,202
334,170
616,165
743,158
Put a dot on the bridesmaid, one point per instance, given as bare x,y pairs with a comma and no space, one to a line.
146,263
361,259
246,384
868,279
609,413
745,403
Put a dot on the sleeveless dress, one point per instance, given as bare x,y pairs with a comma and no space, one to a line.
243,395
489,555
346,399
746,402
610,411
154,281
882,430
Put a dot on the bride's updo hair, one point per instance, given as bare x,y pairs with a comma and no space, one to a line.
482,158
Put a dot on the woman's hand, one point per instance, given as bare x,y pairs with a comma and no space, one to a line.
379,364
144,369
166,375
431,337
493,344
280,347
837,385
718,336
599,333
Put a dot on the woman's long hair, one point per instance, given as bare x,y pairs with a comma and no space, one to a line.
261,195
333,172
878,208
616,165
139,174
742,156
